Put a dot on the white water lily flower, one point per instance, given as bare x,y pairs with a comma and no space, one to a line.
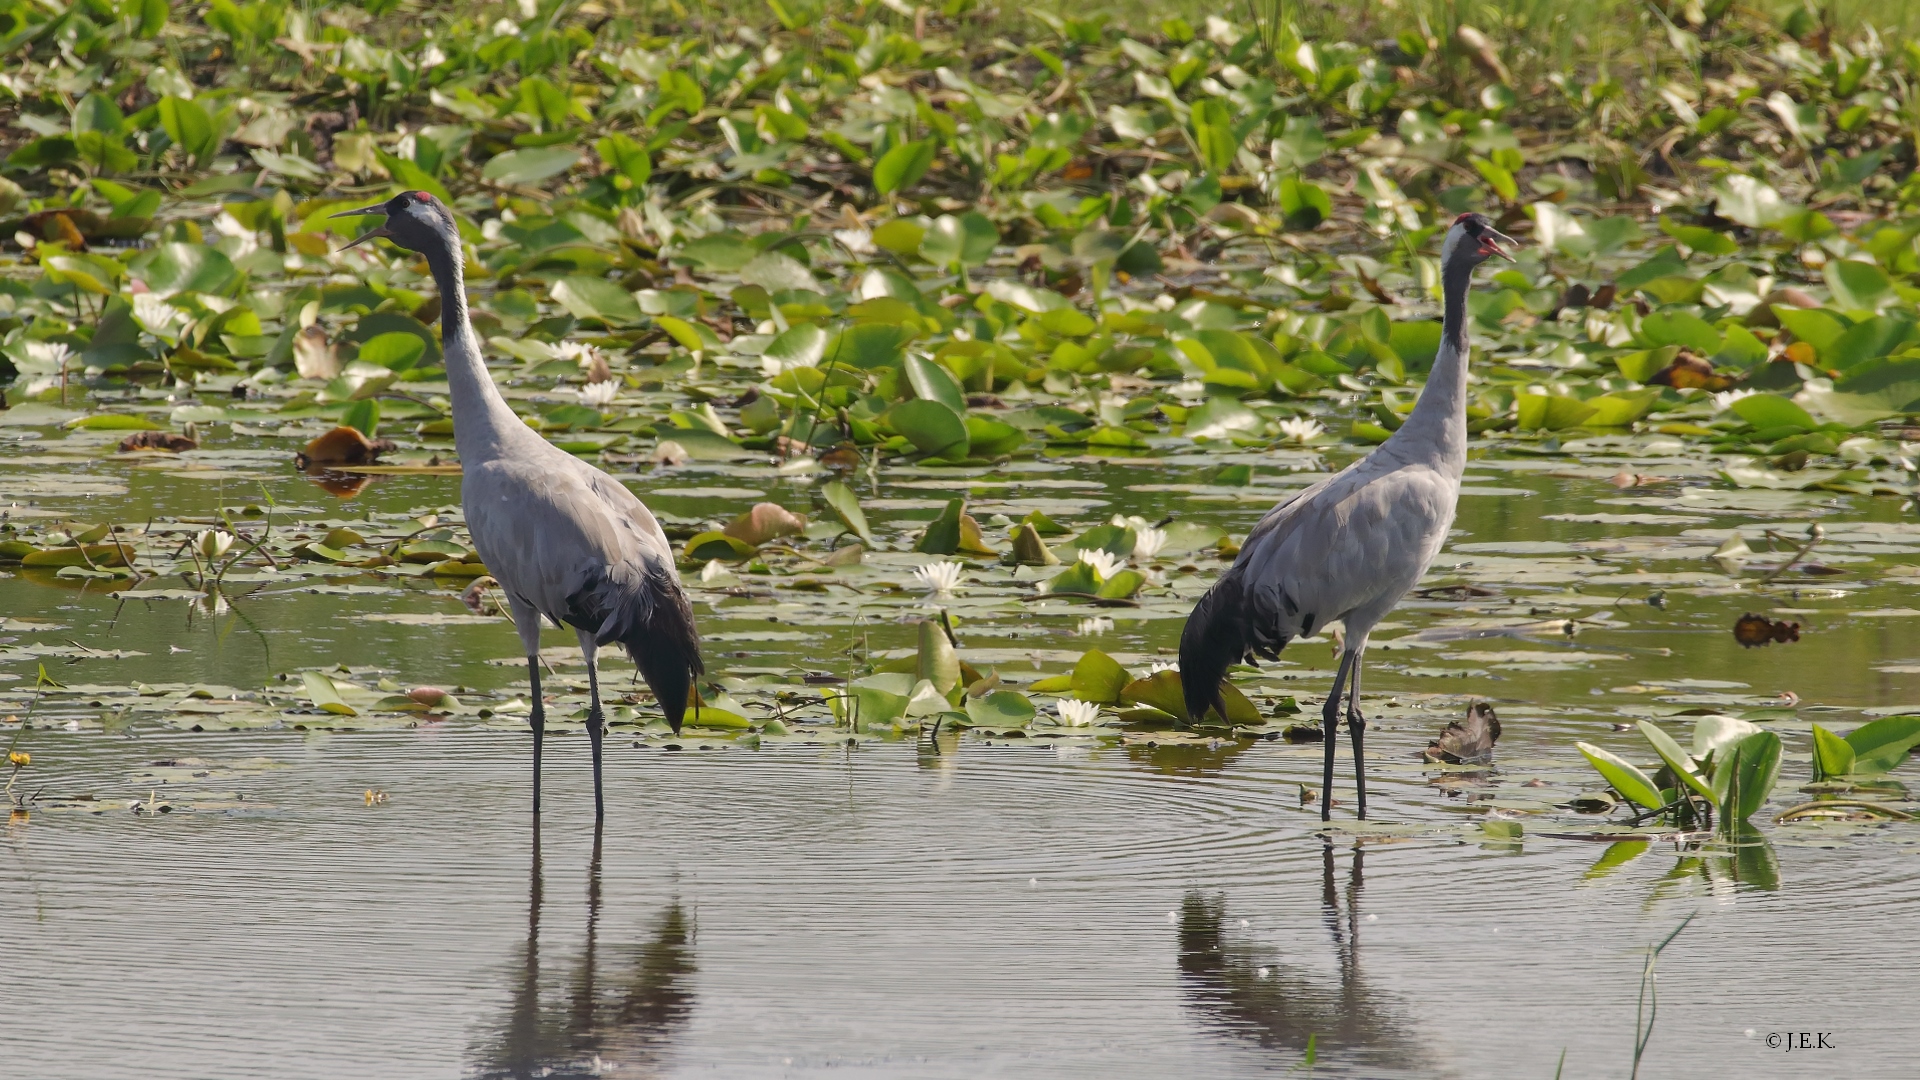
856,241
1160,666
1094,624
939,578
599,394
213,543
1104,562
248,240
1147,542
1076,713
1301,429
155,314
579,352
1724,400
53,354
713,569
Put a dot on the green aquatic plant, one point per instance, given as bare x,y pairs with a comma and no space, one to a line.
1871,750
1731,771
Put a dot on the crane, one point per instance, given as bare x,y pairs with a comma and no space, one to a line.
1350,546
567,542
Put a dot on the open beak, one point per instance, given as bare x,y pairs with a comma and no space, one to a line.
380,230
1493,241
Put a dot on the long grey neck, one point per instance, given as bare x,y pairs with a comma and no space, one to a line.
481,419
1436,431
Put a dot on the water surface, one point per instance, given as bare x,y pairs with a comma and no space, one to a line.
1004,911
186,903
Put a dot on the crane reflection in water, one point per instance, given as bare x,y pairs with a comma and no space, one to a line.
608,1008
1248,991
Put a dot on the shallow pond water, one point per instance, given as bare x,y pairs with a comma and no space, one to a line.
1005,911
213,874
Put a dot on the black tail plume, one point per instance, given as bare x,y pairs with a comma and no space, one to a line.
1214,640
664,643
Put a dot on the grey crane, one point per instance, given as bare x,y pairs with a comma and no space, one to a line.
1350,546
567,542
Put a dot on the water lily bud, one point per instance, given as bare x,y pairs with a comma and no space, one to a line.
213,543
429,696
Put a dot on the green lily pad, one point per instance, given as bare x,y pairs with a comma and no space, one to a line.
529,166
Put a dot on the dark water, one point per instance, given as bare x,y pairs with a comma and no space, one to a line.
989,911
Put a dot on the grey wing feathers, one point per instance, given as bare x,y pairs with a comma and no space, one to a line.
578,546
1349,545
1236,617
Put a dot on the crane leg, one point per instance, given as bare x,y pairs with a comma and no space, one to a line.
1330,716
538,721
1357,726
596,721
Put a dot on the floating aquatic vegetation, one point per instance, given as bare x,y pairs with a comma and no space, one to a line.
852,300
1871,750
1732,770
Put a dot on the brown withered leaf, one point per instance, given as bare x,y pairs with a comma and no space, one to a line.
842,458
1468,743
168,441
766,521
786,448
1375,289
1752,630
58,227
1690,371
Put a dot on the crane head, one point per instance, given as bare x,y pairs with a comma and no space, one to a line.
1474,240
415,220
